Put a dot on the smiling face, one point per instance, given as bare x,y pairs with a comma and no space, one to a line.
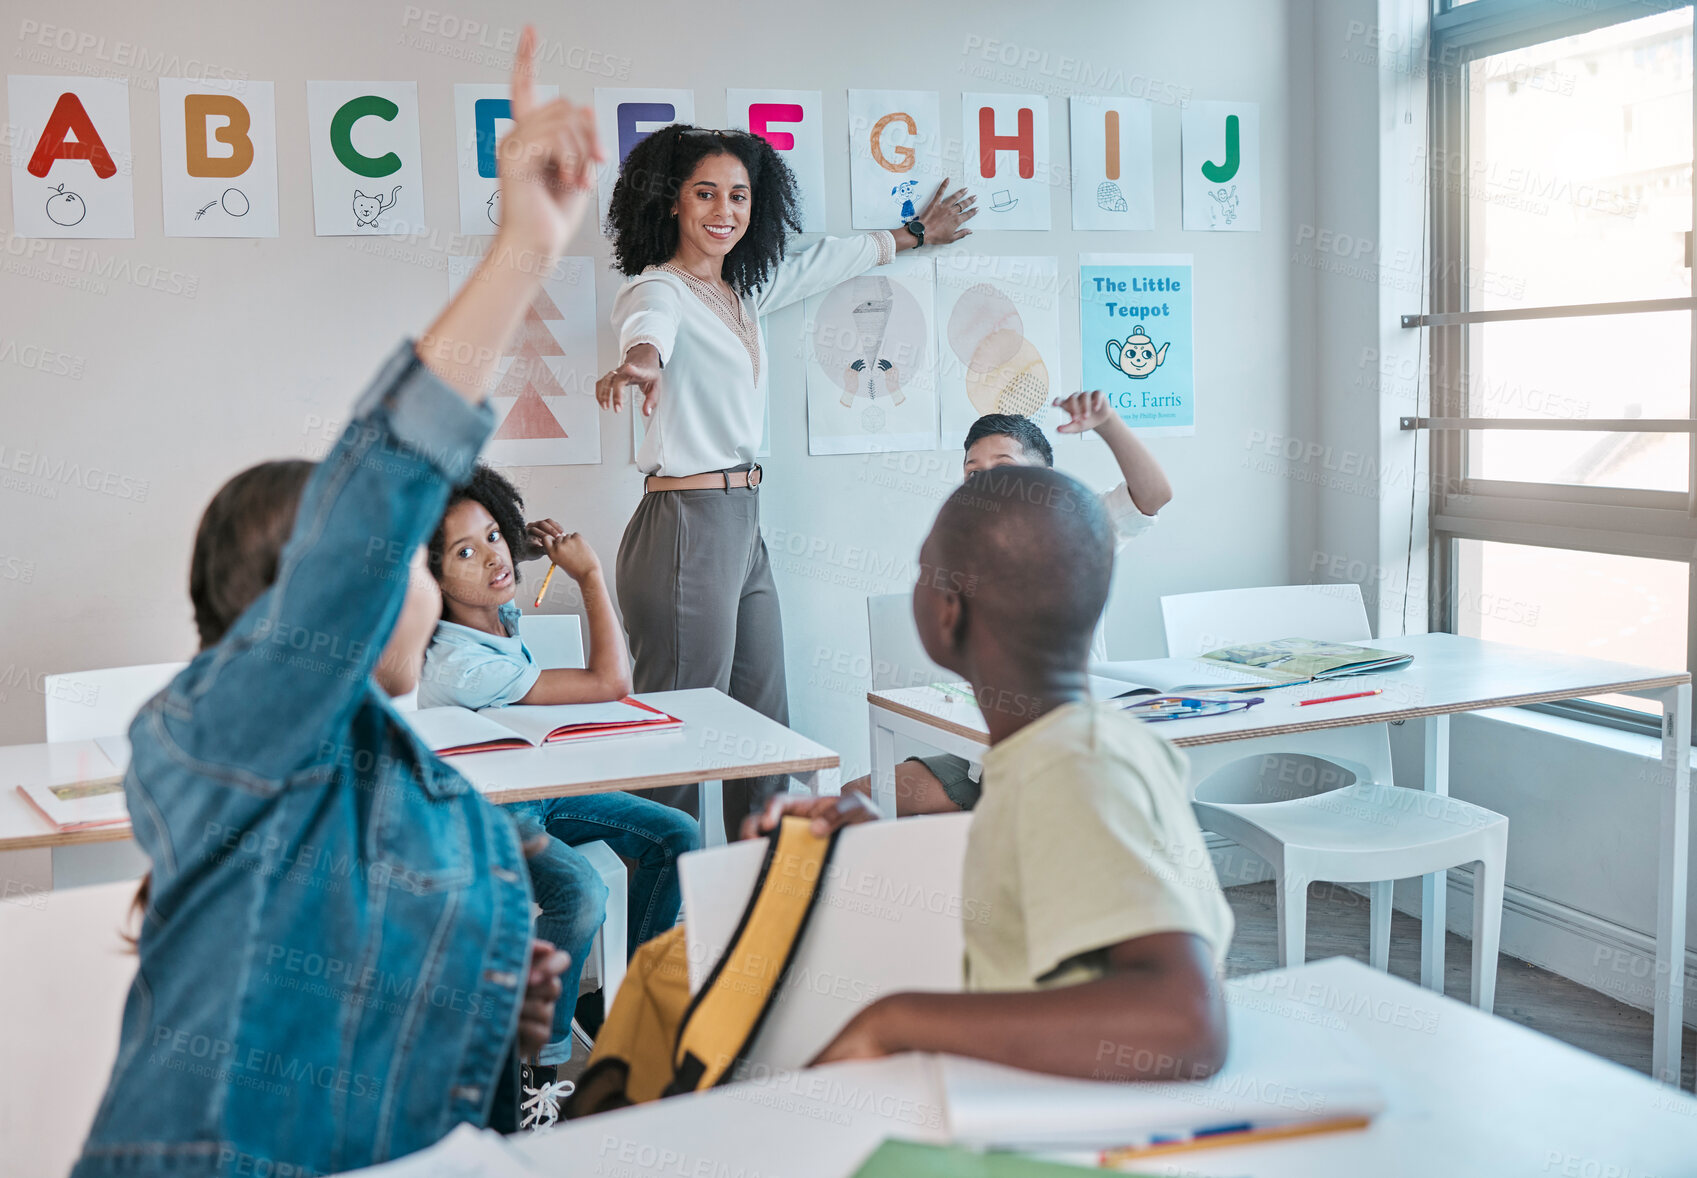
713,207
477,565
1138,356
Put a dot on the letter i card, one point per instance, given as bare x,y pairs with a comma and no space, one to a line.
1136,327
71,157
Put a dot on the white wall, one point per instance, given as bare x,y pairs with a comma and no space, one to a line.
178,393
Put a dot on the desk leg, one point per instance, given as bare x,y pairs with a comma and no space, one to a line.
883,763
1434,899
1675,863
709,796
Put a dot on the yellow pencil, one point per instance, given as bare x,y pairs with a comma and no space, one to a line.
543,592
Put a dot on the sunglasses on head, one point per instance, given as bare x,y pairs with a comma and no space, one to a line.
720,134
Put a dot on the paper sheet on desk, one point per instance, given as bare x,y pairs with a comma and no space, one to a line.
117,750
1288,1064
464,1153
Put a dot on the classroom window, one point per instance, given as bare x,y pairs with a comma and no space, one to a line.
1560,295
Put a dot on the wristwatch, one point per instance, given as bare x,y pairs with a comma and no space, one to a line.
917,228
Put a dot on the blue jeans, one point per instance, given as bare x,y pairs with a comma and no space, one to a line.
572,895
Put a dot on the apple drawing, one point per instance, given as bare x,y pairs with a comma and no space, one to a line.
65,208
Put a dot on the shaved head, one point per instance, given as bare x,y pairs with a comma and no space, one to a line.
1029,552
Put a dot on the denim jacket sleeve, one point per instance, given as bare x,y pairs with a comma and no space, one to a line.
258,706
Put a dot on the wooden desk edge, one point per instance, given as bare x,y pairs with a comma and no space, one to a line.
118,834
1313,725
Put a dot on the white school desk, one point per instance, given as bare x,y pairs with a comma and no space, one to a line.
1449,674
1467,1094
720,738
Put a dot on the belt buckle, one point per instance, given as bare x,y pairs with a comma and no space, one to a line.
754,475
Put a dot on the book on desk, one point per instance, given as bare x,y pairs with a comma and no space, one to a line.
1250,666
451,731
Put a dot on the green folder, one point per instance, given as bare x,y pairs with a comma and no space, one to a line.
907,1159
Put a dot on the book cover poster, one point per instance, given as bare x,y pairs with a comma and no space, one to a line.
545,409
1113,163
1135,320
999,339
1222,166
69,142
871,367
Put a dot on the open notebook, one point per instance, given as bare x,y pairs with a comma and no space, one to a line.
80,805
452,730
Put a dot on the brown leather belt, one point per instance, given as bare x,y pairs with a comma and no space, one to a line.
713,480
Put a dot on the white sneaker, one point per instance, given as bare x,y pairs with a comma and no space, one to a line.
541,1107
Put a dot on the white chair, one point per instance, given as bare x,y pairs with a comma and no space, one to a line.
1323,806
83,705
898,657
89,705
556,642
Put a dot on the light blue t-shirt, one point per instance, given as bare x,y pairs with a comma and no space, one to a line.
477,670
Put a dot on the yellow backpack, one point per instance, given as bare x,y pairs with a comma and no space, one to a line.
656,1041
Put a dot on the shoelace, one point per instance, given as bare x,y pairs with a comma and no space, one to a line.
542,1110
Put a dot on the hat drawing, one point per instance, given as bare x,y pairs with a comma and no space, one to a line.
1002,201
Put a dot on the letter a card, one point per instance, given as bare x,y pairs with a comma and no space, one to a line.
71,157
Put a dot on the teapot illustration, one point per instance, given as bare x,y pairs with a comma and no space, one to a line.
1137,356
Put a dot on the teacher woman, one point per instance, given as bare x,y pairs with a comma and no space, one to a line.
699,220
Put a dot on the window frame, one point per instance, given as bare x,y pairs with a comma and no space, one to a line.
1622,521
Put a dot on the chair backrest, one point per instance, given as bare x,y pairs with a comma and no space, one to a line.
68,968
82,705
889,918
556,640
1199,622
898,657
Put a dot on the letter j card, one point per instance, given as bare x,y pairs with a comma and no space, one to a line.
1135,320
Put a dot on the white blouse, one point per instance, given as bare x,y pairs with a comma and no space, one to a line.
712,403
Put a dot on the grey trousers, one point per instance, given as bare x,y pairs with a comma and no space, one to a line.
701,610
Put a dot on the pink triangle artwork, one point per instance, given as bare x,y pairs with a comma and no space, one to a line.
544,415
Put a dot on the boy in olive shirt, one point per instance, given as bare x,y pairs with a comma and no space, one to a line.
1107,927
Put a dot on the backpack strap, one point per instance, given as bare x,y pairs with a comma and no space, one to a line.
726,1015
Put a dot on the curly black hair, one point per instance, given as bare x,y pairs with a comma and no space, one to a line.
1021,429
640,221
489,488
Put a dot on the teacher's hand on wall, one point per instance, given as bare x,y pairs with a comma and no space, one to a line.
546,163
640,372
943,217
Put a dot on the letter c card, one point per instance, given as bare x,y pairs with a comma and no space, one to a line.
218,157
71,157
367,169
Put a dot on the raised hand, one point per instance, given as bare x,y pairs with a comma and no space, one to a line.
1085,411
546,163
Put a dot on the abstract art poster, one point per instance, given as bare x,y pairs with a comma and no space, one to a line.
1113,163
871,370
483,114
71,157
218,157
1136,326
544,402
999,339
1222,166
367,167
895,155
